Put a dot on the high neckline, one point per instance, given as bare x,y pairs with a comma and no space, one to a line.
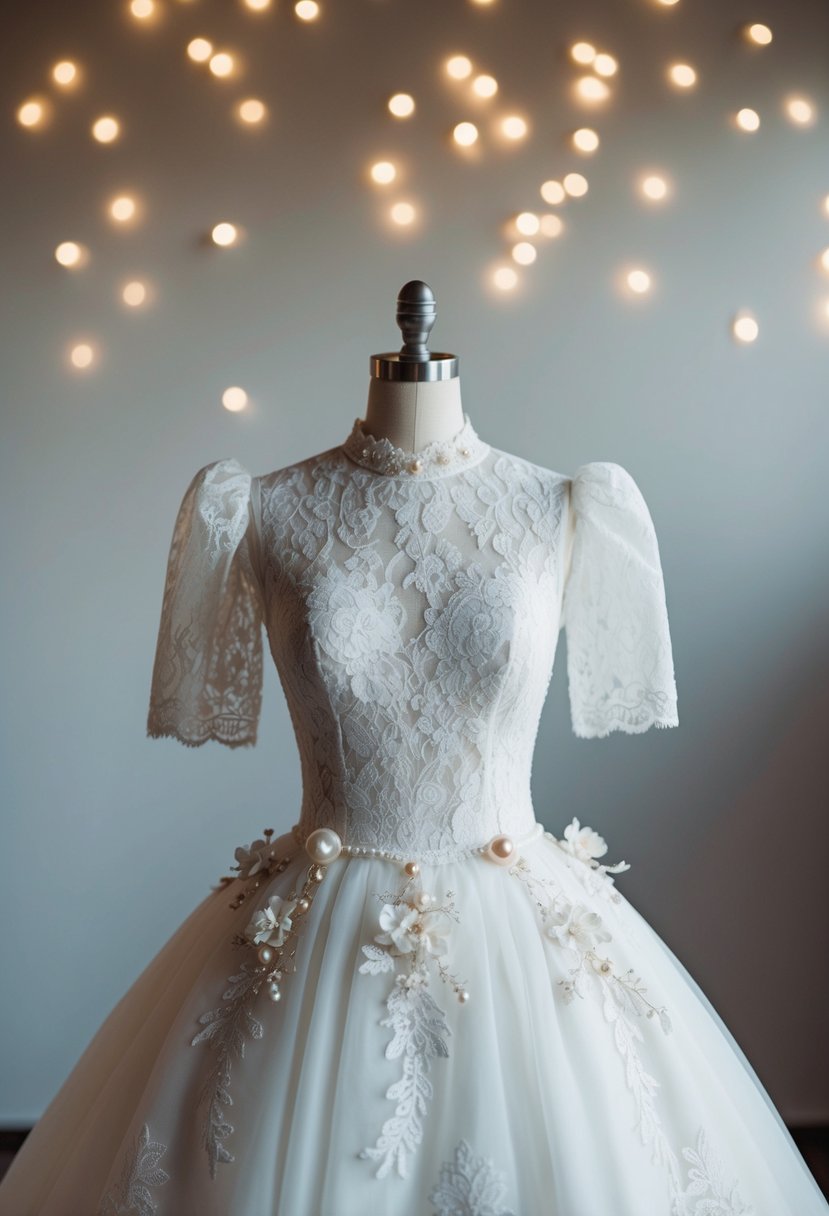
437,459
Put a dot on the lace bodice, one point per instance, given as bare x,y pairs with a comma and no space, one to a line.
412,604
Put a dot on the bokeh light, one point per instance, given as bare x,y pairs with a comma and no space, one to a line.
199,50
307,10
605,65
222,64
234,399
758,34
32,113
583,52
575,184
747,120
70,254
514,127
123,208
251,111
653,187
459,67
465,134
524,253
550,224
224,234
65,73
682,75
134,293
505,278
591,89
639,281
383,172
527,223
800,111
403,214
106,129
82,355
553,192
585,140
745,327
401,105
485,86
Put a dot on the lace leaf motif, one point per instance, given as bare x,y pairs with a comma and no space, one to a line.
132,1195
469,1186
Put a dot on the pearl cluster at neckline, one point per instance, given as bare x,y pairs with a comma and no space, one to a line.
437,458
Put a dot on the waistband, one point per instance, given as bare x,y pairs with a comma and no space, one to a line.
323,845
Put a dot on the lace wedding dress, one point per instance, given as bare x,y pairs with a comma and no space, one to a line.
417,1001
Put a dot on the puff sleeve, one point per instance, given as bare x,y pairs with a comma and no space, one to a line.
207,674
620,670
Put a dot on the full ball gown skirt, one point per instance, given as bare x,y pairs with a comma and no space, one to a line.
417,1001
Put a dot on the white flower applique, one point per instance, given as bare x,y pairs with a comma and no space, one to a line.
132,1196
414,932
469,1186
271,934
586,845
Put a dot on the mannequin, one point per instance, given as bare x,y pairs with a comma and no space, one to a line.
414,396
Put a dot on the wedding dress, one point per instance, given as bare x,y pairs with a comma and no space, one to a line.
418,1001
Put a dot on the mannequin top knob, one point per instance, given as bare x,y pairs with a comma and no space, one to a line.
416,312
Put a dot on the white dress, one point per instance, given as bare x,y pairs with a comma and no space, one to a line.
457,1012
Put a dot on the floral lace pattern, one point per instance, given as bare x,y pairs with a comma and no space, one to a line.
141,1174
469,1186
414,933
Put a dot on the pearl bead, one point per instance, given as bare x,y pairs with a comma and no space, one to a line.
416,465
423,900
500,850
303,904
323,846
275,995
412,869
463,996
464,451
443,458
265,954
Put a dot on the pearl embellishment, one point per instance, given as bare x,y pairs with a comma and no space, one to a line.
323,846
500,850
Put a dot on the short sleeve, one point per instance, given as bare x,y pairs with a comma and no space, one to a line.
620,669
207,673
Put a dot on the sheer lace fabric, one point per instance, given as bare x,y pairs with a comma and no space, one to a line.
414,622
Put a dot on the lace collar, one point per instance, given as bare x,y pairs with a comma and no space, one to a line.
438,458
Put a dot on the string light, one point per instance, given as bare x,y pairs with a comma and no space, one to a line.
142,9
514,127
122,208
653,187
307,10
65,73
759,35
527,223
505,278
383,172
591,88
134,294
575,184
459,67
401,105
465,134
258,6
800,111
605,65
251,111
82,355
485,86
551,225
403,214
747,120
234,399
524,253
585,140
639,281
199,50
32,113
583,52
745,327
222,64
70,254
682,75
224,234
824,260
553,192
106,129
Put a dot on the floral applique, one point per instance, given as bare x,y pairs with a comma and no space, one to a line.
414,932
469,1186
132,1196
586,845
272,934
707,1193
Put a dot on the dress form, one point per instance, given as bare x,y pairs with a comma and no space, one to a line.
414,396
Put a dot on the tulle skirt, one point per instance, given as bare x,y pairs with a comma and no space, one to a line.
548,1056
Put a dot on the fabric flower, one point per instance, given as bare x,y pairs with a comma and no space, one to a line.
576,927
271,923
406,928
583,843
253,860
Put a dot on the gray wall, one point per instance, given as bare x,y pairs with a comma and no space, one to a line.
110,838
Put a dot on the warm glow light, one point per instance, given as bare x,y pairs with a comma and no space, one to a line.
639,281
251,111
142,9
383,171
551,225
747,120
824,259
105,129
505,278
585,140
485,86
745,328
482,2
134,294
402,214
668,3
553,192
575,184
224,234
401,105
69,253
605,65
583,52
234,399
64,73
514,127
307,10
465,133
31,113
654,187
459,67
221,64
826,204
527,223
82,355
524,253
122,208
760,35
200,50
800,110
591,88
258,6
682,75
